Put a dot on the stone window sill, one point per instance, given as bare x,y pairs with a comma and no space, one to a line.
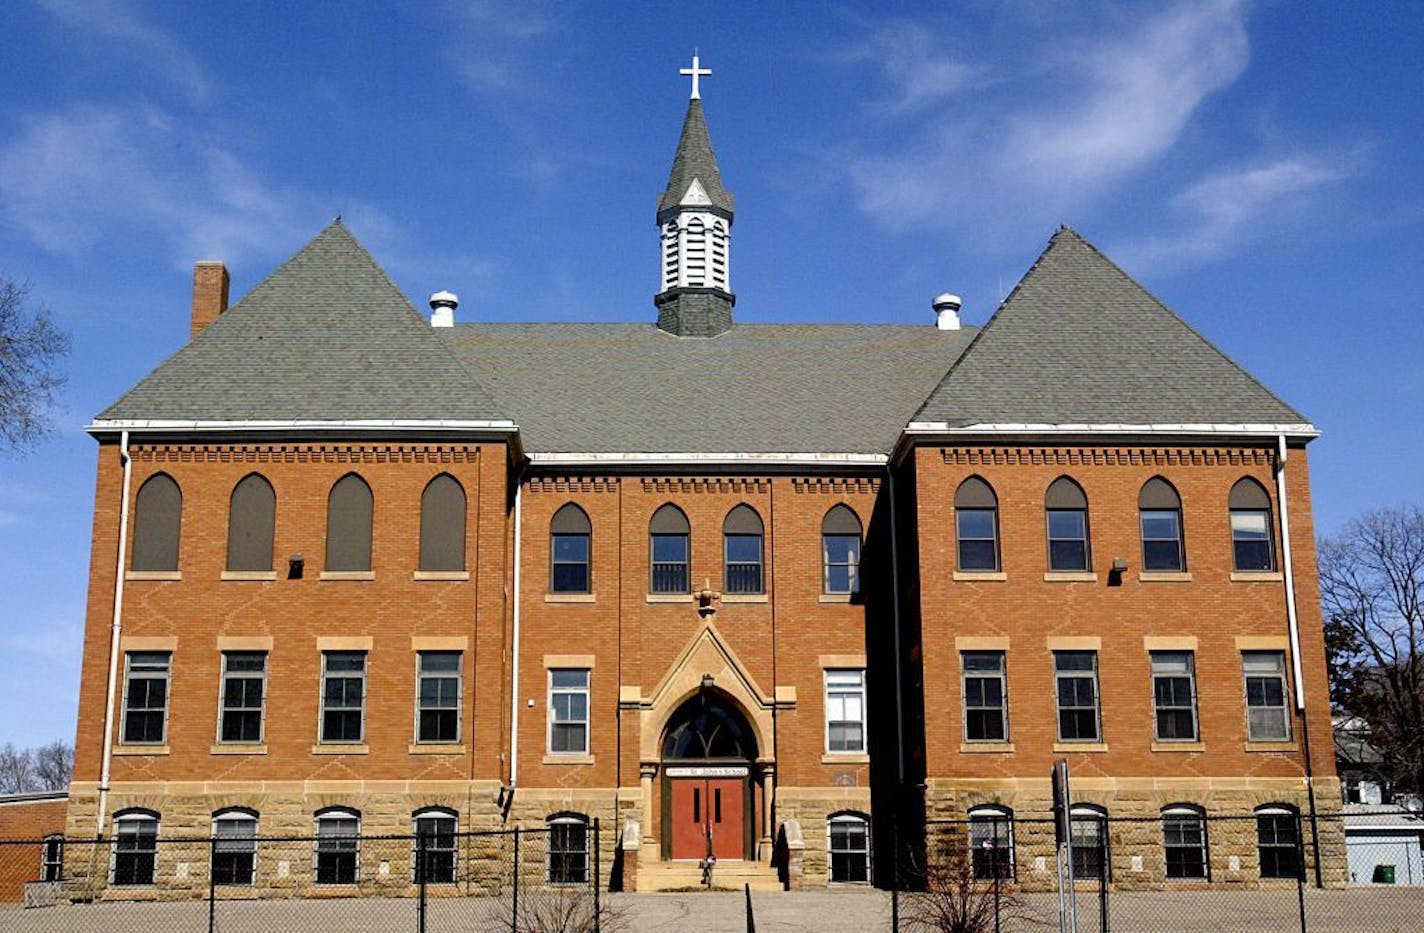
845,758
669,597
357,749
1164,576
1270,747
980,576
745,598
1256,576
140,750
570,598
1070,576
153,575
1080,746
568,759
836,597
435,748
249,575
235,748
985,748
347,575
1179,746
448,575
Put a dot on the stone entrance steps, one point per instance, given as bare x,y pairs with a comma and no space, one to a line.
728,875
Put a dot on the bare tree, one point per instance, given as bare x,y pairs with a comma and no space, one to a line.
17,770
1372,591
30,351
54,765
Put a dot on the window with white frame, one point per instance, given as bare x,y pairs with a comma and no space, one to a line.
986,708
568,711
568,849
244,685
52,859
146,697
437,697
1090,843
1252,548
1267,718
1277,842
1174,695
991,841
338,847
434,847
849,835
1184,842
840,551
343,697
135,848
234,847
1076,679
845,710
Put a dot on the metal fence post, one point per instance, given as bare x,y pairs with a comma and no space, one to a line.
420,877
212,884
895,869
1103,874
998,868
597,875
514,902
1300,870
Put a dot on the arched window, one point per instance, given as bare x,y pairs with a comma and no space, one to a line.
135,847
251,524
1251,539
568,848
669,536
433,849
840,551
348,525
52,858
1067,510
1159,511
158,517
442,525
976,525
1278,841
742,551
234,846
1090,843
849,835
991,842
569,536
1184,841
338,846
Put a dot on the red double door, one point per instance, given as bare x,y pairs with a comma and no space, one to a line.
708,806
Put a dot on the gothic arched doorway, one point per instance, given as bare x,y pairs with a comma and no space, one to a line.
708,753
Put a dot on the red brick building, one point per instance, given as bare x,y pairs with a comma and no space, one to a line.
720,586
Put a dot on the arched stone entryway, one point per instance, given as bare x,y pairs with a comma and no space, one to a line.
709,772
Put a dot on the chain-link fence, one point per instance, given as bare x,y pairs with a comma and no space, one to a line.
518,880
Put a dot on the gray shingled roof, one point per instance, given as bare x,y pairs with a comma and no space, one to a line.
1079,342
326,337
695,159
767,388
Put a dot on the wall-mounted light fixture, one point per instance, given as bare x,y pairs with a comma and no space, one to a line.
295,563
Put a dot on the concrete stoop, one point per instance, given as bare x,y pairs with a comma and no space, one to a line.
687,876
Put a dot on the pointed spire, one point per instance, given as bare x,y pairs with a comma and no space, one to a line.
695,161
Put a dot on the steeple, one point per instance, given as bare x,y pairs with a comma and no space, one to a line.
695,219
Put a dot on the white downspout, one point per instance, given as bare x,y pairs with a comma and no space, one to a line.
514,679
116,631
1288,572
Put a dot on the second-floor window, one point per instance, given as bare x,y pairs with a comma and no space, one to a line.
976,526
569,534
244,684
1160,515
343,697
845,710
437,698
568,711
1174,695
1076,678
840,551
146,697
1067,510
1267,718
742,551
1251,545
669,548
986,716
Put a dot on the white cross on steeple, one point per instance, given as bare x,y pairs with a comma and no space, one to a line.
695,72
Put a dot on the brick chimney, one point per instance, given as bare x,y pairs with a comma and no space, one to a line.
210,283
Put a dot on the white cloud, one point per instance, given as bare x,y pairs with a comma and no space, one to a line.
913,59
123,29
492,48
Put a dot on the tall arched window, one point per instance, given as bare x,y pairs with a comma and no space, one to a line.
840,551
976,525
570,532
158,518
742,551
348,525
442,525
991,842
234,846
1067,510
669,536
849,836
338,846
1159,511
568,848
1184,841
1090,842
251,524
135,847
1278,841
433,849
1251,539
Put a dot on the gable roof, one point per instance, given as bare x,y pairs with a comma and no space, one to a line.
695,160
327,337
1078,342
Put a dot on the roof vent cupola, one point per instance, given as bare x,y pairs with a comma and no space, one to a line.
442,309
946,309
695,221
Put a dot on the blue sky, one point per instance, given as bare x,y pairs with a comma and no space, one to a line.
1256,165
